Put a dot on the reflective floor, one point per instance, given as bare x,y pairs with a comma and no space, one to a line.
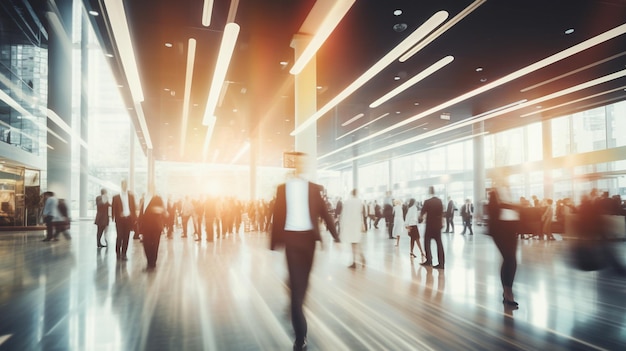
231,295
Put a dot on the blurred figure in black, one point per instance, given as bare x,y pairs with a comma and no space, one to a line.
102,215
503,225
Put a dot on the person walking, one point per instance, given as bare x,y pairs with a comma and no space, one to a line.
102,216
411,226
124,214
151,221
297,209
467,213
398,221
502,226
50,214
433,210
353,227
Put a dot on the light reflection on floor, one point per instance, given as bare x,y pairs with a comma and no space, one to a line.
231,295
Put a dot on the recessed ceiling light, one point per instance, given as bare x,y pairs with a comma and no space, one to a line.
94,13
166,89
397,112
569,31
483,79
235,110
397,12
319,87
284,63
479,69
396,78
416,103
168,45
400,27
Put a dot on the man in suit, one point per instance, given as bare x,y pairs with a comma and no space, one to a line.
151,222
296,213
450,215
102,215
124,214
433,210
388,213
50,214
467,213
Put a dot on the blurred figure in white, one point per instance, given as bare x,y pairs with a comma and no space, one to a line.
352,226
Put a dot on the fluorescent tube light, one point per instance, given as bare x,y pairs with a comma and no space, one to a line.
610,34
207,11
573,101
473,6
191,57
428,26
365,125
231,32
499,112
418,77
330,22
352,119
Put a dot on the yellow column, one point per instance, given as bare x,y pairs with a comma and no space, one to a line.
305,91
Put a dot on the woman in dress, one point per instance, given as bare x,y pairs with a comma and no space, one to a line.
398,220
352,226
411,226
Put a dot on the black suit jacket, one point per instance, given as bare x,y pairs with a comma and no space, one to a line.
317,209
102,212
152,216
433,209
116,207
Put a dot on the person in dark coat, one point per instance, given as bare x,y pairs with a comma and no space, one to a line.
433,210
151,221
102,215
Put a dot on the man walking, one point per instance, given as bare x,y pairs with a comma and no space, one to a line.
298,207
433,210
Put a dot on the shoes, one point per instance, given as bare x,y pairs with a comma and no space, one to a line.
439,266
300,346
509,302
46,239
100,246
426,263
413,255
352,266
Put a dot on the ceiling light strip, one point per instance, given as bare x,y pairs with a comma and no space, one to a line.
329,23
232,11
207,11
365,125
191,58
574,101
409,83
473,6
119,25
432,133
117,17
243,149
615,32
573,72
209,134
352,119
428,26
231,32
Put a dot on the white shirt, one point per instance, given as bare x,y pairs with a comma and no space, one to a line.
125,206
506,214
298,218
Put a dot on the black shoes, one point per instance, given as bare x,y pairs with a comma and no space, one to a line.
439,266
413,255
509,302
352,266
426,264
297,346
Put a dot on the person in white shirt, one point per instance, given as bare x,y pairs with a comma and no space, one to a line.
411,226
352,226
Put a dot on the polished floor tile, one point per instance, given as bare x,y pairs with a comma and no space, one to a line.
231,294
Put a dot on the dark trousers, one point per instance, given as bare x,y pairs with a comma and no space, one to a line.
434,235
123,225
505,239
185,223
49,227
299,249
151,247
101,229
208,224
449,223
467,224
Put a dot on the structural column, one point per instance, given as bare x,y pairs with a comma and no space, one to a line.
305,86
479,168
59,159
83,191
546,135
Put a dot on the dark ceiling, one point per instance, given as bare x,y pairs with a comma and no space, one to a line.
497,38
